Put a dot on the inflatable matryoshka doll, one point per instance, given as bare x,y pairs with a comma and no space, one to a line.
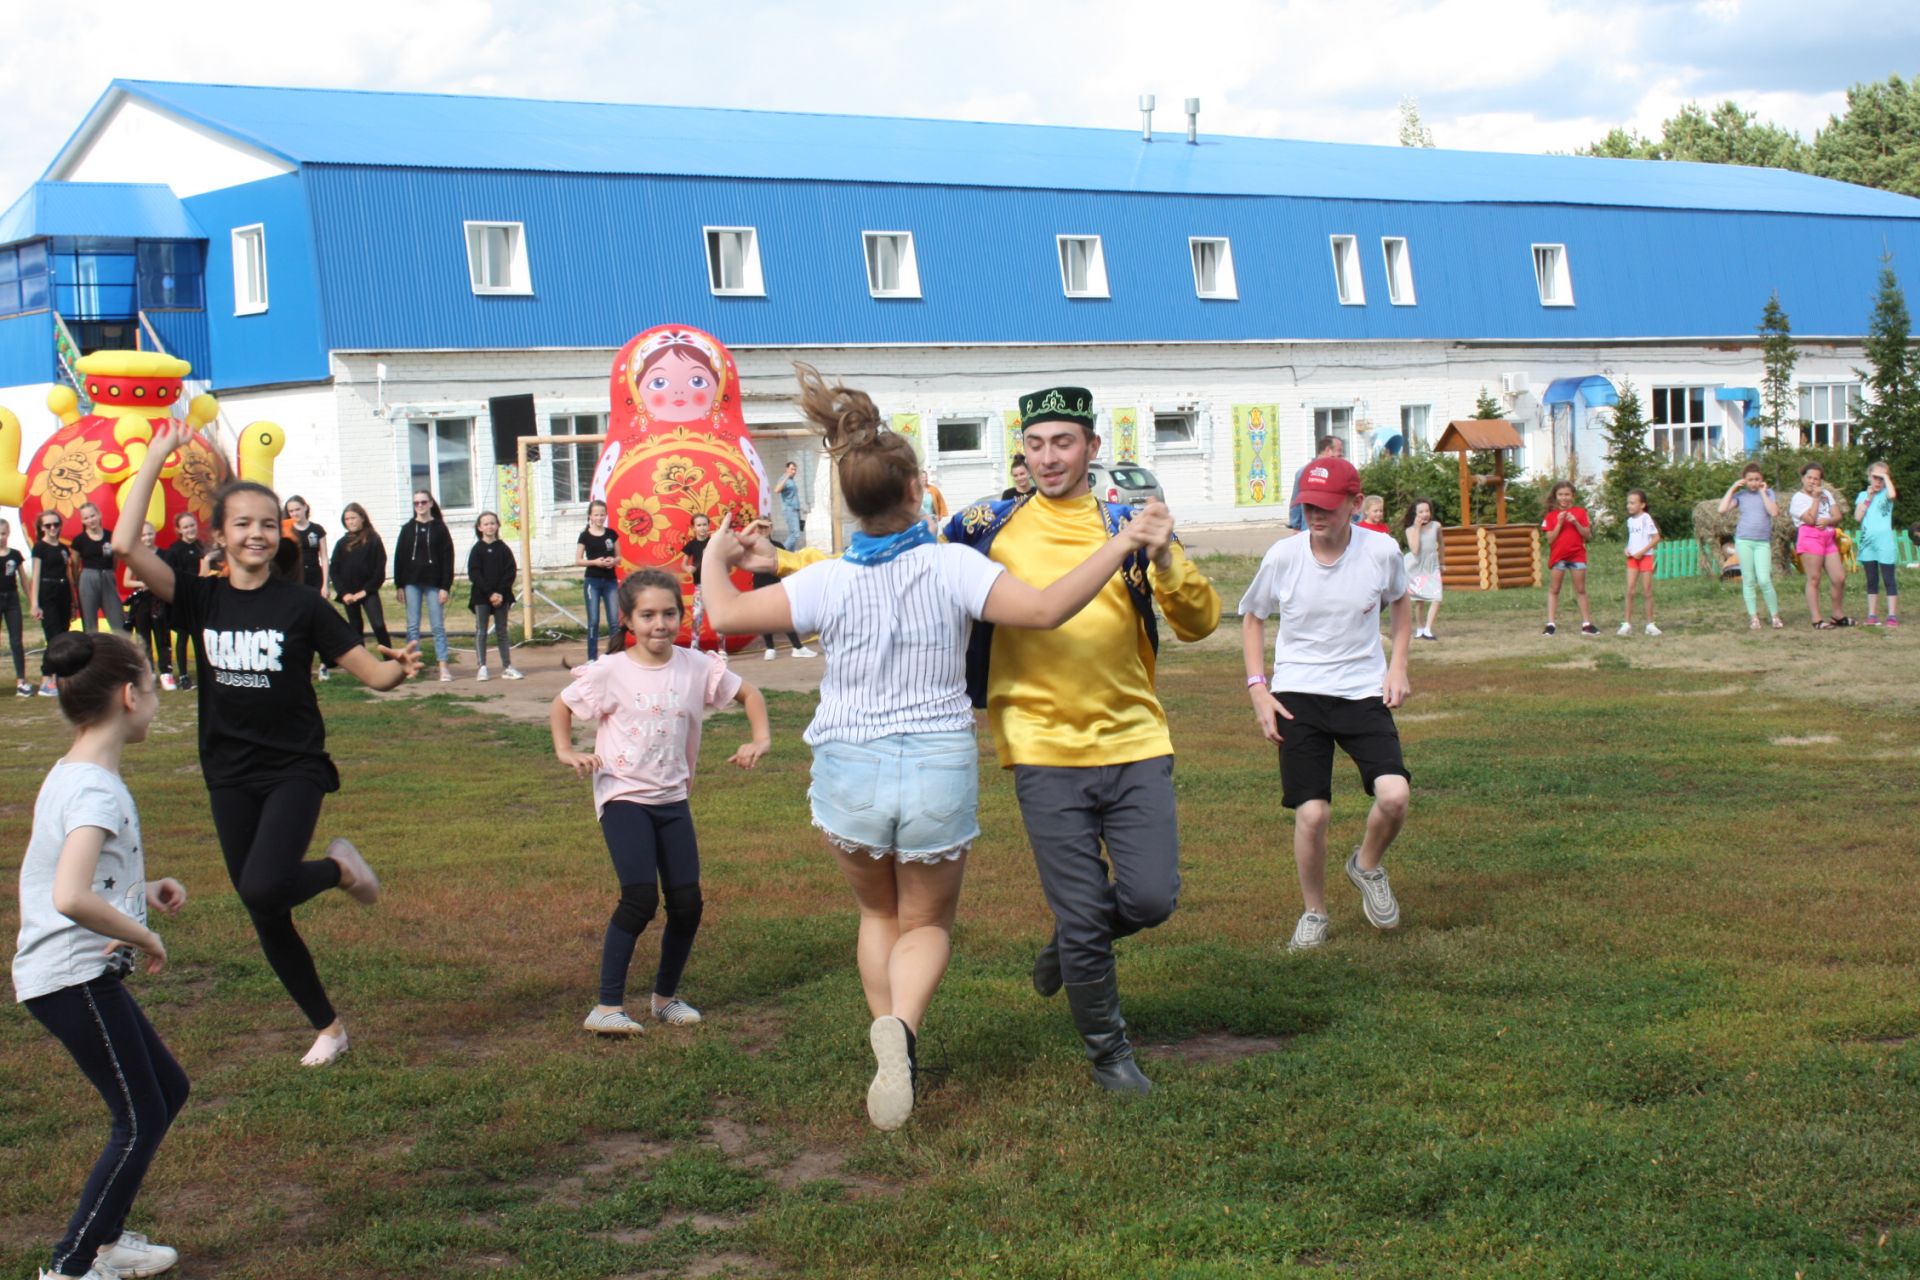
677,447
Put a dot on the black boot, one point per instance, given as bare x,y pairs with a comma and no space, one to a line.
1096,1012
1046,967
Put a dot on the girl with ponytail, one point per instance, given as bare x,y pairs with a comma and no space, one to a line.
896,770
84,899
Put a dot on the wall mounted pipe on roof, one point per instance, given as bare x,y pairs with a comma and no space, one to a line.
1590,389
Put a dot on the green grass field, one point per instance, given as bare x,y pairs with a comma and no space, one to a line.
1649,1012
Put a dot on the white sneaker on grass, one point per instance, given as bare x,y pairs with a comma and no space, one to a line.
1626,629
483,673
676,1013
890,1096
1309,933
167,682
1652,630
1376,895
612,1022
135,1255
94,1272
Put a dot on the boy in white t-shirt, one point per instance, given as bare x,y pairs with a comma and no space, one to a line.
1643,535
1332,685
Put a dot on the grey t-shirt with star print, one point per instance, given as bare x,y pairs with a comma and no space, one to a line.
53,951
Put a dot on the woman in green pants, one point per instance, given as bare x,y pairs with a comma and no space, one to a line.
1753,540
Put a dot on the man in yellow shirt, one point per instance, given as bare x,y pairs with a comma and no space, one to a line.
1074,714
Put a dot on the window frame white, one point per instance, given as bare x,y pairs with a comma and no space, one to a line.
582,481
982,425
1561,273
255,269
1349,284
1096,285
1408,442
1326,427
519,272
1399,272
1226,287
1676,440
1852,395
909,264
753,279
1189,443
432,422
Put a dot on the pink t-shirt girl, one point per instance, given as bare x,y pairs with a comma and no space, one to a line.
648,735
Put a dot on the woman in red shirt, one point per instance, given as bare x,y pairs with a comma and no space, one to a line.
1567,525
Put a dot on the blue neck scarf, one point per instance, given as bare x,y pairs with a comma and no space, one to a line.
867,549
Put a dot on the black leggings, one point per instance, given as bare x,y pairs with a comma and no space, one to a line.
375,617
16,643
56,615
149,618
180,639
771,644
144,1089
1879,571
649,842
264,833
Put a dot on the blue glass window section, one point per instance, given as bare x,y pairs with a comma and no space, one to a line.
171,275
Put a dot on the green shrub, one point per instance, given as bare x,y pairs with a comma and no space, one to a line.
1437,476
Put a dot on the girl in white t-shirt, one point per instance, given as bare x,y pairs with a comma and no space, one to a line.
895,762
1816,513
84,898
646,703
1643,535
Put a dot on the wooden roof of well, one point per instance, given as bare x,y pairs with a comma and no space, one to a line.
1477,433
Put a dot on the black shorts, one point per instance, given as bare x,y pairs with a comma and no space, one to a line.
1361,727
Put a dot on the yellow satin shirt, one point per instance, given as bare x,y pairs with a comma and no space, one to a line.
1082,694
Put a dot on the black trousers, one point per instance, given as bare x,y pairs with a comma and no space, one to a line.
264,833
375,617
144,1089
650,842
16,643
56,609
1069,814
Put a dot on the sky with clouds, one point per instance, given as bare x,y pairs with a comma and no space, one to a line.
1516,75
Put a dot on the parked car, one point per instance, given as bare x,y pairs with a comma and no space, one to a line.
1123,482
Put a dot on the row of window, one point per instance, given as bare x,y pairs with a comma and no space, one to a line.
1682,427
100,279
497,261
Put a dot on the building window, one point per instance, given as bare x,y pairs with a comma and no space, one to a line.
497,257
1346,272
1550,273
1413,426
892,269
1213,268
440,459
249,270
733,262
24,278
1399,270
1679,421
1337,423
1828,412
169,275
573,464
960,435
1174,429
1083,267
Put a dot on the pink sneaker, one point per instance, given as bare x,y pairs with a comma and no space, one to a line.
1873,619
1893,620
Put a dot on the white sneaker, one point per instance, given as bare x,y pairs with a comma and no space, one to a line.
326,1049
677,1013
482,674
890,1096
167,682
512,673
771,655
1651,630
325,674
804,652
23,689
612,1022
94,1272
366,885
1626,629
1309,933
1376,896
134,1255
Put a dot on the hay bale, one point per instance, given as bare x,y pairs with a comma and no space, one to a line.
1713,529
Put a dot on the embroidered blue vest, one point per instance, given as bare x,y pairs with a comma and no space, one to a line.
978,525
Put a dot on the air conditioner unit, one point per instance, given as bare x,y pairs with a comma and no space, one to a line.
1515,384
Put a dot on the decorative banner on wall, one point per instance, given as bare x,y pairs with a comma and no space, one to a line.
510,495
1256,457
1125,425
908,425
1015,437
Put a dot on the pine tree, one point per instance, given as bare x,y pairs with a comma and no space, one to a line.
1630,461
1412,132
1486,407
1890,427
1778,354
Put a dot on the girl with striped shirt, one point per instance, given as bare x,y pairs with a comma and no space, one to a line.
895,762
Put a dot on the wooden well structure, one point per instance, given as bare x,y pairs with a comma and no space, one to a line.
1486,557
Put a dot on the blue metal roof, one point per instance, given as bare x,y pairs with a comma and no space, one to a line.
411,130
1592,389
123,210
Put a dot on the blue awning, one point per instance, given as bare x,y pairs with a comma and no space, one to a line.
1741,395
1592,390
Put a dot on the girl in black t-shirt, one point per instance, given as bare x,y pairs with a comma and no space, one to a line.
98,591
13,578
599,551
358,570
313,543
184,557
52,585
263,745
148,615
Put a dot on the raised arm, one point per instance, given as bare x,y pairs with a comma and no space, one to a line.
1726,499
143,560
729,610
1013,603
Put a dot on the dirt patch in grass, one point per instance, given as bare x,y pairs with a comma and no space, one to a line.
1212,1048
1810,740
730,1264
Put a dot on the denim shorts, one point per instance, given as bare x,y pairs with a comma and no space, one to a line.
912,796
1568,564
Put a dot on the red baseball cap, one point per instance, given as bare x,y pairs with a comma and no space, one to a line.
1327,482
